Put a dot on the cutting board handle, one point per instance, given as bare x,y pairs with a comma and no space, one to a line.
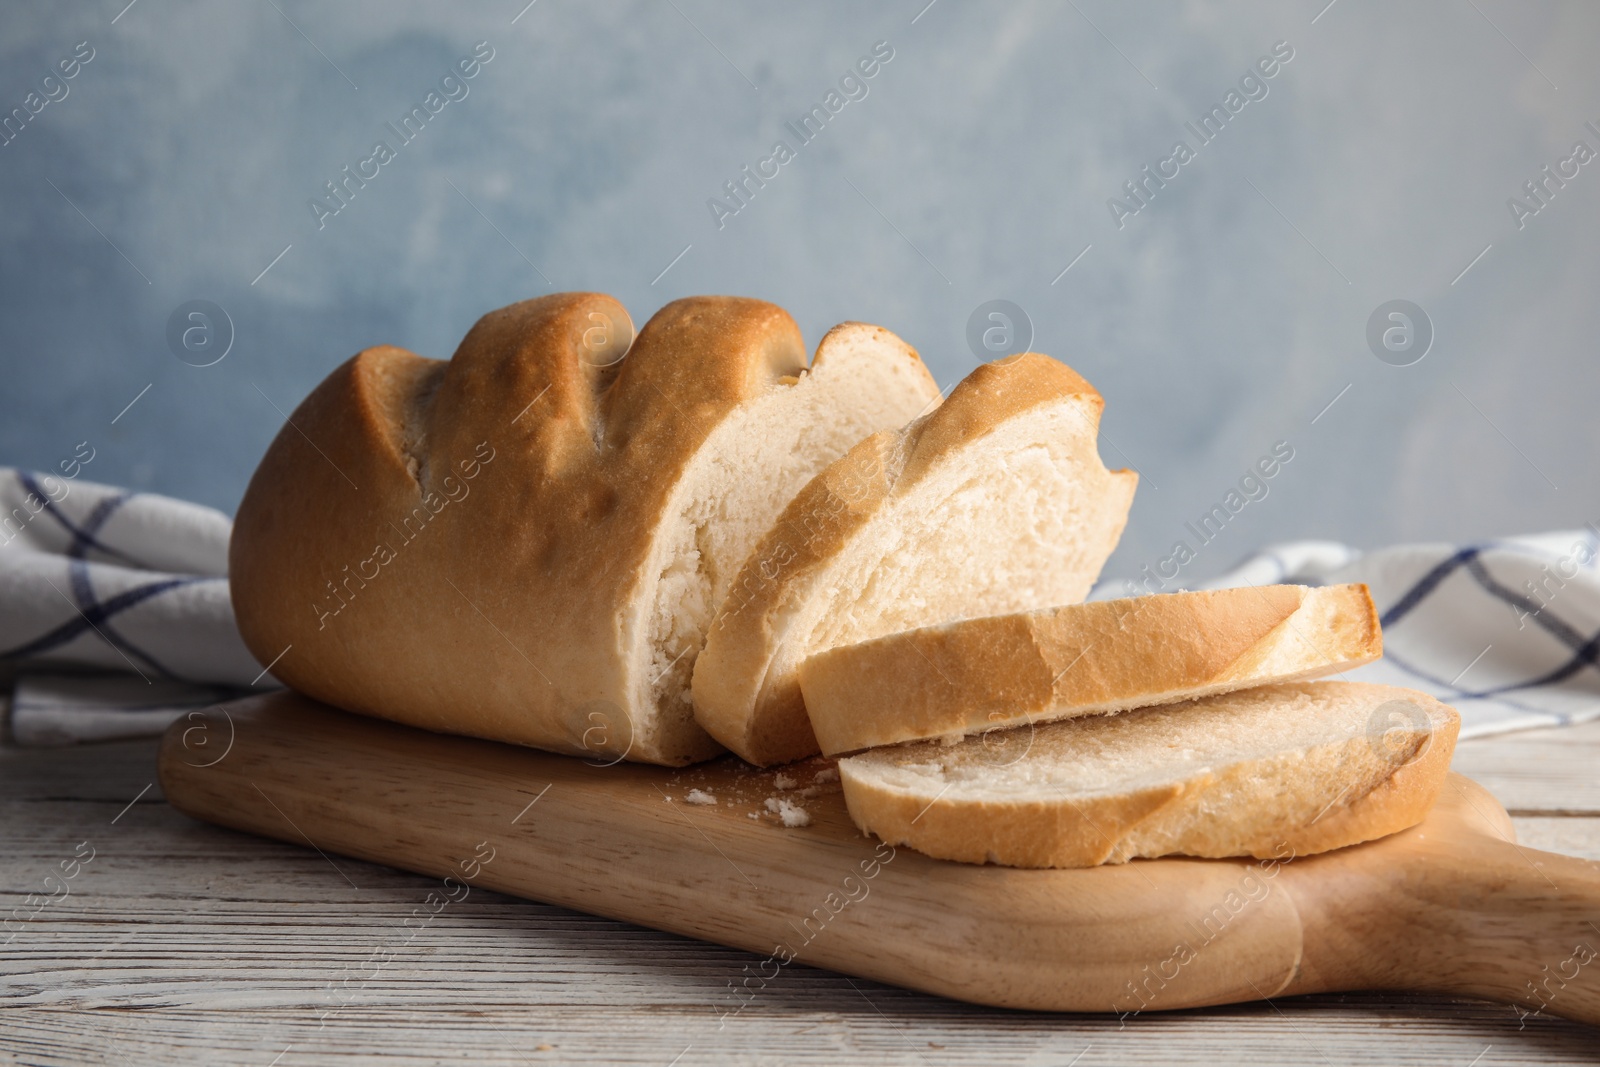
1465,910
1521,926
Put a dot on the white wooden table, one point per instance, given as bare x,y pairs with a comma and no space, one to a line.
184,943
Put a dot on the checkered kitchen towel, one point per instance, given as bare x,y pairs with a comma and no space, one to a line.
132,587
114,610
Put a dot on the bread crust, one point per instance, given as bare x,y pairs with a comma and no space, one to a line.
1052,829
1082,659
463,546
739,698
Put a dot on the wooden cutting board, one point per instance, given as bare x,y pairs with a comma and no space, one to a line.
1452,906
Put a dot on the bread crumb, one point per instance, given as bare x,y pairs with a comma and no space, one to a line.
955,737
543,1048
783,781
827,774
754,815
700,796
787,810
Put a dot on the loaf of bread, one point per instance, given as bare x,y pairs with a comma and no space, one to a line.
1277,771
528,542
994,502
1082,659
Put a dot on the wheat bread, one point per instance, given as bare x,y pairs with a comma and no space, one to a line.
527,542
1082,659
1275,771
997,501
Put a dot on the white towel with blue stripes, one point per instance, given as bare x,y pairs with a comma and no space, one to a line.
114,610
115,617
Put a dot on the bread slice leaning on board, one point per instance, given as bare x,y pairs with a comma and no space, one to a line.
1082,659
997,501
527,542
1272,772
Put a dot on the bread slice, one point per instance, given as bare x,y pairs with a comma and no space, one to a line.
1083,659
527,543
1278,771
995,502
863,379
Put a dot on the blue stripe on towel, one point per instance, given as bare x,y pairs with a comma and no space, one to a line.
1548,621
83,539
95,613
1429,582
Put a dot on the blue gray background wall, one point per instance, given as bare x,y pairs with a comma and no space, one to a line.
1220,319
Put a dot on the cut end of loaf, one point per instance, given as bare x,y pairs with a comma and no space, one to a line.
863,379
996,502
1278,770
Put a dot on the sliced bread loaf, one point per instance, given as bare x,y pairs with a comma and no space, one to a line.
1083,659
527,542
1278,771
996,501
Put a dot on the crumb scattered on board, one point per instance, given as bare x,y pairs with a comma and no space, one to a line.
788,811
773,797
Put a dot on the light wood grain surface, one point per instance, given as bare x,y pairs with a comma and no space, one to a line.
181,942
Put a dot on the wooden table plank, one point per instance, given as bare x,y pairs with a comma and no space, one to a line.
882,1031
1537,770
183,942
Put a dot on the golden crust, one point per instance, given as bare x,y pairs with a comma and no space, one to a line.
1082,659
457,546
